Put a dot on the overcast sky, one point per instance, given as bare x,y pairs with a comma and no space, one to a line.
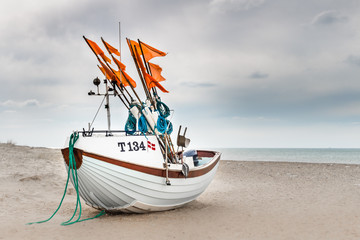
241,73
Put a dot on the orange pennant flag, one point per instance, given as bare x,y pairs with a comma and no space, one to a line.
118,77
104,72
119,64
135,47
151,82
97,50
150,52
124,78
111,49
122,75
156,72
108,73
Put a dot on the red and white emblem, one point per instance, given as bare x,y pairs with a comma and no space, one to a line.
151,146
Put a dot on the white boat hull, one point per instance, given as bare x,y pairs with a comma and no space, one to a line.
116,185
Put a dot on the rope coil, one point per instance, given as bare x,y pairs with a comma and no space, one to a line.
163,125
142,124
130,126
164,110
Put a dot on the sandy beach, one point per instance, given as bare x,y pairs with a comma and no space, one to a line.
246,200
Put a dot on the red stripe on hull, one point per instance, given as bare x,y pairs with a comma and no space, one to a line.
148,170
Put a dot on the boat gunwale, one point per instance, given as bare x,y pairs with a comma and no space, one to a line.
161,172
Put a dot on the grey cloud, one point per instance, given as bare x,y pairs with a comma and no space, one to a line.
284,102
20,104
196,85
354,60
258,74
223,6
328,18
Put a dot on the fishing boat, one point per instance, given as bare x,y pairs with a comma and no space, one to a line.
137,169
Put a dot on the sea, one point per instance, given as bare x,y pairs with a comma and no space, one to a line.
308,155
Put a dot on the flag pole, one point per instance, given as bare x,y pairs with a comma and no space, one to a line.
143,70
154,89
147,67
148,96
142,52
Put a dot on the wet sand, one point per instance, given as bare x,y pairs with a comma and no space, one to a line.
246,200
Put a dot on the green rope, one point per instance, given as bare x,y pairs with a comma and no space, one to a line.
72,168
142,124
169,127
163,125
130,126
164,110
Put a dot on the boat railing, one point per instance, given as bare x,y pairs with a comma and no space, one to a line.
89,133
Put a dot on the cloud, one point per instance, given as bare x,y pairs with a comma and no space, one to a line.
20,104
328,18
9,111
258,74
220,52
196,85
223,6
353,60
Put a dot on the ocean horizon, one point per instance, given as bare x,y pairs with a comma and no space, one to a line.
306,155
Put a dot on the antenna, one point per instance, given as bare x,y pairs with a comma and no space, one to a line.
120,40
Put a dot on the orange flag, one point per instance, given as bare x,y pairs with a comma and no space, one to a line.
149,52
156,72
151,82
118,77
124,78
135,47
97,50
104,72
111,49
122,75
108,73
119,64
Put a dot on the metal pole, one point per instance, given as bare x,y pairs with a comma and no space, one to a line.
147,69
142,52
142,67
120,40
166,164
138,69
107,106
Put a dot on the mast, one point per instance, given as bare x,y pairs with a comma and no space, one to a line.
107,106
